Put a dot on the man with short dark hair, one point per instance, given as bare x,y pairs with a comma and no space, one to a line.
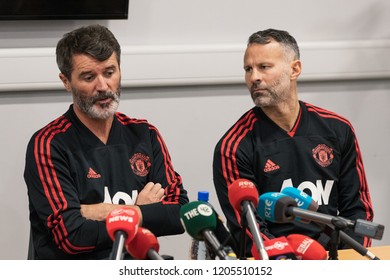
283,141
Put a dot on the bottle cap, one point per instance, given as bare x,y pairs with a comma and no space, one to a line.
203,196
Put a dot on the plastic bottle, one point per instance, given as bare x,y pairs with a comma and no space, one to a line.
198,249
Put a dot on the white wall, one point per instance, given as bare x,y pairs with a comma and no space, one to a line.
182,71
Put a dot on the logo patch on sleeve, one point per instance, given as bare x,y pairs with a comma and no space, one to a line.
140,164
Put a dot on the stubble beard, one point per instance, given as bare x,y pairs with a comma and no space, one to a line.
273,94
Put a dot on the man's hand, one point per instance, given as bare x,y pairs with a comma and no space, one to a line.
100,211
151,193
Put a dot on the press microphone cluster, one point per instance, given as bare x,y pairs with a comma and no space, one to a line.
122,225
243,196
281,208
305,202
200,222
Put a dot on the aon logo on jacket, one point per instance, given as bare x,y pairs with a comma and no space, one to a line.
319,192
120,197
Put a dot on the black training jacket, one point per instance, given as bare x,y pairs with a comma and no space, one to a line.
67,165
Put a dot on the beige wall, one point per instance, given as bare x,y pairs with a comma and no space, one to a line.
182,71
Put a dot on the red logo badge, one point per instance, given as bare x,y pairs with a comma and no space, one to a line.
140,164
323,155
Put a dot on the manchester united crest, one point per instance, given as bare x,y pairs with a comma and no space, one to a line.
323,155
140,164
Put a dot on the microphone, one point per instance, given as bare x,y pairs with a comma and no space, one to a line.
122,225
304,201
306,248
277,249
144,246
243,195
280,208
273,207
200,222
221,231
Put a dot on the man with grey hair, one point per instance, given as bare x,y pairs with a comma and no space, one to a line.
93,159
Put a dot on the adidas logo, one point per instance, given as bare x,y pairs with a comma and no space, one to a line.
270,166
93,174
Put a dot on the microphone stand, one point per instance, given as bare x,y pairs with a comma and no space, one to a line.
117,248
250,218
153,255
212,241
359,248
244,225
339,224
334,243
